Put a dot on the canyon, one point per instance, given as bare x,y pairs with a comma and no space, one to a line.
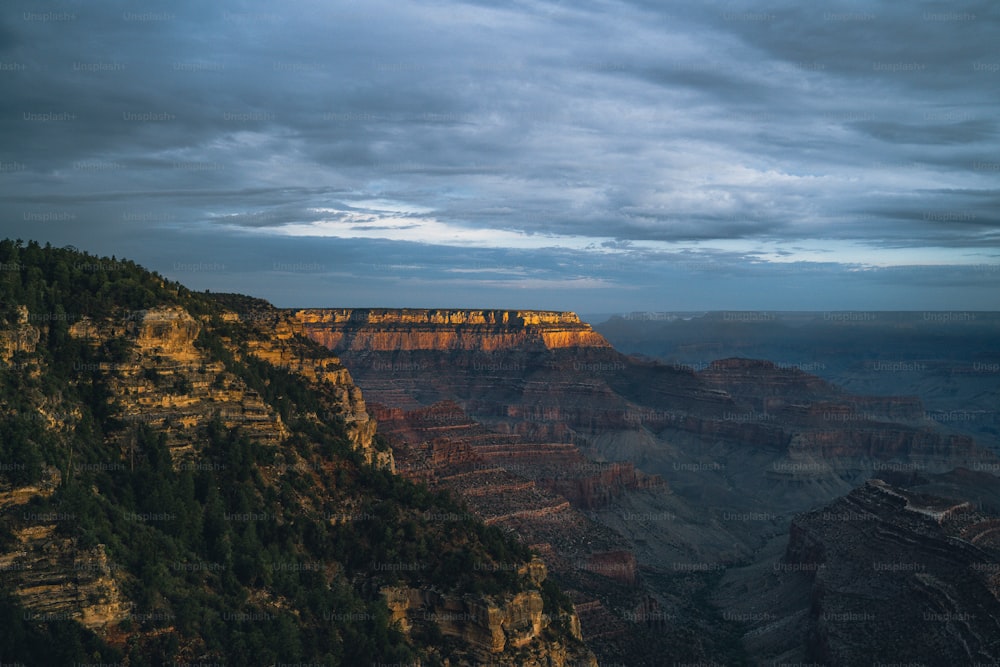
639,482
950,360
662,500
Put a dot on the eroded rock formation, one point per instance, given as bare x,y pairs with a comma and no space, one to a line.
424,329
53,578
917,572
171,384
491,626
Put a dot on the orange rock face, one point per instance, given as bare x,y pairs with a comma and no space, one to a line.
424,329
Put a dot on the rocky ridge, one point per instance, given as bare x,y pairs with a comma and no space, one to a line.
426,329
170,383
886,573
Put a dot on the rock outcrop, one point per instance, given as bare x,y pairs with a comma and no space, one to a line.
53,578
497,629
424,329
168,332
281,347
899,576
171,384
22,337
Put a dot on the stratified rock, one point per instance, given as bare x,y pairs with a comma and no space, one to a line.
505,631
600,460
52,577
423,329
899,577
23,337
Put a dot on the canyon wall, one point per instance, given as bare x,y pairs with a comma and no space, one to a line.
621,472
423,329
502,631
918,569
170,383
53,578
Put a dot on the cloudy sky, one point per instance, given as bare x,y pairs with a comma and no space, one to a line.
598,156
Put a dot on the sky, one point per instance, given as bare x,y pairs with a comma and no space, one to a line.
596,156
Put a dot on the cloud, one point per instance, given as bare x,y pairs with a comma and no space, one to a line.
614,144
967,131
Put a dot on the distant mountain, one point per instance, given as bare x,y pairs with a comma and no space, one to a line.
949,359
182,482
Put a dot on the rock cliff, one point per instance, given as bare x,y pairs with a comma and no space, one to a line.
53,578
278,343
171,383
899,576
423,329
23,337
503,632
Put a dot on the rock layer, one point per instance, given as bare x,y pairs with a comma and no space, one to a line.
547,441
170,383
899,576
492,627
424,329
53,578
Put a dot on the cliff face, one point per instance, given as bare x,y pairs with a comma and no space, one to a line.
503,632
917,572
172,384
422,329
53,577
21,338
279,345
169,332
56,580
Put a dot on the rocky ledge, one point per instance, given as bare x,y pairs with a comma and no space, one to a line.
170,383
501,631
388,329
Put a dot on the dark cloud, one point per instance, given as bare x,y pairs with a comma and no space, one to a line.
635,153
969,131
